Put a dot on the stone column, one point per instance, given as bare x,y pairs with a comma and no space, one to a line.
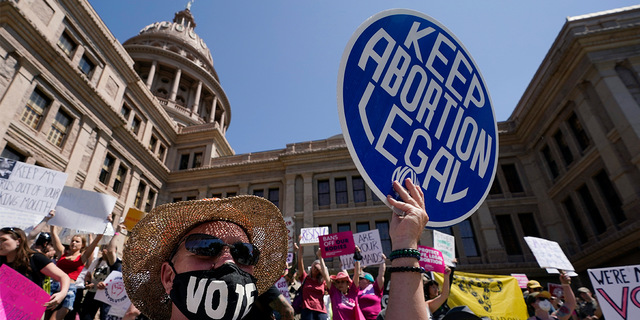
202,193
495,250
243,188
176,83
308,211
196,102
11,101
212,116
134,181
222,119
97,160
152,73
289,196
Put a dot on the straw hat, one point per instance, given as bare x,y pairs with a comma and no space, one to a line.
155,236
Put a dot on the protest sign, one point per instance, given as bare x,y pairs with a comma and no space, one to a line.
289,257
337,244
618,290
133,216
27,192
114,293
310,235
370,248
496,297
413,104
431,259
446,244
83,210
548,254
522,279
20,298
556,290
291,231
283,287
556,271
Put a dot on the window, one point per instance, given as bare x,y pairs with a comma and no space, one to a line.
184,162
564,148
86,66
274,196
59,128
177,199
578,131
191,198
67,44
34,109
119,181
152,143
231,194
161,152
468,238
13,154
513,180
150,197
326,225
106,169
359,191
362,227
495,187
135,125
592,210
610,196
324,199
341,191
344,227
575,220
385,239
216,195
125,111
138,201
528,223
258,193
509,235
197,160
551,163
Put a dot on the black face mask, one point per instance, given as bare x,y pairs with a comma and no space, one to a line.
225,293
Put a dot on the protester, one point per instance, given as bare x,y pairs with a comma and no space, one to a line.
40,227
587,308
313,287
268,302
532,286
437,298
182,254
370,293
539,303
343,291
15,253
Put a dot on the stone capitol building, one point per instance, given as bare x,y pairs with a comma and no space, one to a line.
145,122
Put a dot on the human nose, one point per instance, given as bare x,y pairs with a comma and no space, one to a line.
223,257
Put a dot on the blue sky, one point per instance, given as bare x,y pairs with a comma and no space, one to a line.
278,60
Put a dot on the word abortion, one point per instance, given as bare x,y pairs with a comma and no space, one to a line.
435,102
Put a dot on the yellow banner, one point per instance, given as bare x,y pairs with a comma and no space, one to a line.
496,297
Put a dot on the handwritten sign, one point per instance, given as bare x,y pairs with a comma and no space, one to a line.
283,287
522,279
133,216
337,244
446,244
20,298
431,259
548,254
289,257
370,248
114,293
310,235
31,190
83,210
556,290
618,290
291,231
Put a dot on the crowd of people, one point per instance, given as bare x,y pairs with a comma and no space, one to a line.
221,258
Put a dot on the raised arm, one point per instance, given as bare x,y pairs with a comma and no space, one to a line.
356,269
55,241
31,237
88,252
566,310
300,260
436,302
323,269
382,268
112,247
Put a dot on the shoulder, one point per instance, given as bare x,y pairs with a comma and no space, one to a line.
40,260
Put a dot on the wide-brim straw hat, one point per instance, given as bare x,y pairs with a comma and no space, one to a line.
155,236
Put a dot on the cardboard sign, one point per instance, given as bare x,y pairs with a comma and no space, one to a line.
283,287
556,290
370,248
618,290
133,216
549,254
27,192
447,245
83,210
413,104
114,293
20,298
291,231
337,244
522,279
310,235
431,259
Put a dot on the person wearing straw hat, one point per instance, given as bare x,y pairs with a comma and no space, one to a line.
204,259
539,303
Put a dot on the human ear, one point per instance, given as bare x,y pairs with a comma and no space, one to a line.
166,276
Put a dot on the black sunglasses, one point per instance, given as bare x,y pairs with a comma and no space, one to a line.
542,299
210,246
8,229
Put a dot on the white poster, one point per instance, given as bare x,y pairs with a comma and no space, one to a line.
83,210
370,248
114,293
291,231
310,235
283,287
548,254
447,245
618,291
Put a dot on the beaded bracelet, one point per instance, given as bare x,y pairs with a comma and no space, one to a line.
404,253
407,269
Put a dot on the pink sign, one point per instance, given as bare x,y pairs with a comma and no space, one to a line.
337,244
431,259
20,298
522,279
556,290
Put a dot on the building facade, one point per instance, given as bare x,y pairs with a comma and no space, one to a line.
145,121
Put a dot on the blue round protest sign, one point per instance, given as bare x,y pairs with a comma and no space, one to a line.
413,104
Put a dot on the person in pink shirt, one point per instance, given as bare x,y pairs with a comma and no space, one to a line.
344,292
312,288
370,293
